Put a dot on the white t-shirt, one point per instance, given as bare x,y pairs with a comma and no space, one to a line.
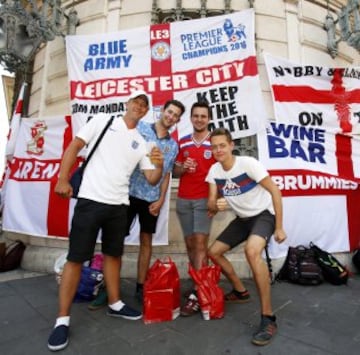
240,186
107,175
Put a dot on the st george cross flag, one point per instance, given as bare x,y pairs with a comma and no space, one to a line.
30,205
315,95
318,207
211,59
15,124
320,107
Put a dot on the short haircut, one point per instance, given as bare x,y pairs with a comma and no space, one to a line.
201,104
221,132
176,103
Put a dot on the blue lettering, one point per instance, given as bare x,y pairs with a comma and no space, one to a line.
317,152
108,48
102,63
297,151
298,132
278,149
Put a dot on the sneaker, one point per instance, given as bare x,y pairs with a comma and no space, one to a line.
188,292
126,312
237,297
266,331
100,301
59,338
191,306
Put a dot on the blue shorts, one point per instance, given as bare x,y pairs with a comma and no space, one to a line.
193,216
239,229
89,218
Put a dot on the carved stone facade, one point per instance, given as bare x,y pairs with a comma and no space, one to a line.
292,29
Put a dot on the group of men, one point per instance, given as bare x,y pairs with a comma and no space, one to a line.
129,176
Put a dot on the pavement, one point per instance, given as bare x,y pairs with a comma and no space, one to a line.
314,320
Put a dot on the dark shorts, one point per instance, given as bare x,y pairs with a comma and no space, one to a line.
89,218
140,208
240,229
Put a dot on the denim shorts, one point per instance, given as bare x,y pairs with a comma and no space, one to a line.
239,229
193,216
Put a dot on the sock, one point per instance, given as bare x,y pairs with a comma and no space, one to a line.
139,286
193,296
62,321
117,305
272,318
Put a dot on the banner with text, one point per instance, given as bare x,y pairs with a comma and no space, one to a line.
211,59
318,108
318,206
30,205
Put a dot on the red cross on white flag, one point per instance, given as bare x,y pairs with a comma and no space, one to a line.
313,154
15,124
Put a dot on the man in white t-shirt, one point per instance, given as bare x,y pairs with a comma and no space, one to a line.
102,204
244,185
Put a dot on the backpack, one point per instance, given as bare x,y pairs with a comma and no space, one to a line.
11,255
333,271
356,259
300,267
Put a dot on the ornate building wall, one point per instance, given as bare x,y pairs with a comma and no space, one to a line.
292,29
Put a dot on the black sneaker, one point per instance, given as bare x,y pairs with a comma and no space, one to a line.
126,312
59,338
266,331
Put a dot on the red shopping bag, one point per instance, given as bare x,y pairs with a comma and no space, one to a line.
161,292
209,293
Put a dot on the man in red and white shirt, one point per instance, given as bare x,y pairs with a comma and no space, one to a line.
192,165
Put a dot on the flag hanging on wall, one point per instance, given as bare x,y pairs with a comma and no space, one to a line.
15,123
211,59
312,151
30,203
318,108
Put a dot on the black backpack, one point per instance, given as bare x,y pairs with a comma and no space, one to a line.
356,259
11,255
300,267
333,271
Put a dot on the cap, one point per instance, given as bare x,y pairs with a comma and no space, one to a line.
138,93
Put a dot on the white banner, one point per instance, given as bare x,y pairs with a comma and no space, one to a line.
315,96
30,205
211,59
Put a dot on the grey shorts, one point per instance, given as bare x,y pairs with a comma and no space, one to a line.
240,229
193,216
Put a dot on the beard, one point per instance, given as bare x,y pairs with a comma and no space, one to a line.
200,130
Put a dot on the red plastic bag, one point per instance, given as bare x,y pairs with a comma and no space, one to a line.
161,292
209,293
